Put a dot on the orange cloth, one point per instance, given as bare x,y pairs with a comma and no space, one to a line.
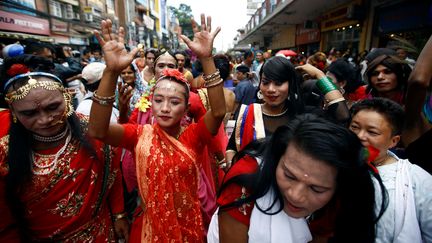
167,173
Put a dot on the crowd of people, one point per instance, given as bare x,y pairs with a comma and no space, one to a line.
149,145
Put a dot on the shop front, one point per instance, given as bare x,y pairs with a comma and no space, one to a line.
342,30
307,39
15,27
409,20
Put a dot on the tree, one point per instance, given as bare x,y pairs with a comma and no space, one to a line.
184,15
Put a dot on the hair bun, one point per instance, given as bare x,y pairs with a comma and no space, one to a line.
17,69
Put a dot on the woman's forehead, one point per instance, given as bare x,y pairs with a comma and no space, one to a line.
166,59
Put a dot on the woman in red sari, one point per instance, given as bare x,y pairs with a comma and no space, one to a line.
55,183
167,168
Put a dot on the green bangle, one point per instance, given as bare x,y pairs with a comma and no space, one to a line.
325,85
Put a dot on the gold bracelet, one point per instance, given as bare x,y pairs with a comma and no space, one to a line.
210,85
119,216
211,76
103,102
108,98
213,79
335,101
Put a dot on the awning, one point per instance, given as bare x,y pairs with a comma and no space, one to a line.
22,36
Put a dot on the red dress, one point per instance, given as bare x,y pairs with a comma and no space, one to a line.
167,173
72,203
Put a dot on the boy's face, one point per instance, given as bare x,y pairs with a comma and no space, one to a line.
373,129
240,76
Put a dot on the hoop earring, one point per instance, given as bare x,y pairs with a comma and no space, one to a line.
69,108
260,95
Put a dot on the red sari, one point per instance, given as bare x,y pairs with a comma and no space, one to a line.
73,202
168,177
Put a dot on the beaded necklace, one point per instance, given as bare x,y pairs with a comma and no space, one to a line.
275,115
54,138
45,164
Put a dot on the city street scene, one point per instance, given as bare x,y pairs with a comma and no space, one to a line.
232,121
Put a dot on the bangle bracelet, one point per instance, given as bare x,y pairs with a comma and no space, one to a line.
103,102
119,216
210,85
211,76
335,101
108,98
325,85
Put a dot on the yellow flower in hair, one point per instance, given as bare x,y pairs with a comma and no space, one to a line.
144,103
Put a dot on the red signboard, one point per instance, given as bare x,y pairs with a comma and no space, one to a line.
23,23
306,36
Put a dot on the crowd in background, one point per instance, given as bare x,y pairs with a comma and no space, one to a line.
191,146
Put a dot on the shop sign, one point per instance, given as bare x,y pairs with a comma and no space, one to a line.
78,41
59,26
148,22
22,23
306,36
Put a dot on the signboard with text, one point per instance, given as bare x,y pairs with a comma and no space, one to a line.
23,23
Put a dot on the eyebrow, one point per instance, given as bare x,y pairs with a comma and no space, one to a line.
314,185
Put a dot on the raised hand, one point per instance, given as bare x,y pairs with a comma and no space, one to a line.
116,56
202,44
311,70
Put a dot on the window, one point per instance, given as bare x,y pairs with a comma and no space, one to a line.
55,8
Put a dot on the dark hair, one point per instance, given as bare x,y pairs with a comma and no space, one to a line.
243,69
342,70
181,53
392,111
32,62
280,69
395,64
34,47
162,53
379,52
334,145
19,160
151,50
247,54
86,51
222,63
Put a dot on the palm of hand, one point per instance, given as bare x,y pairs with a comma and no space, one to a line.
116,55
202,44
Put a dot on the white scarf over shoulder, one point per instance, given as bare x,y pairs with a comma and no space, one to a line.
278,228
407,228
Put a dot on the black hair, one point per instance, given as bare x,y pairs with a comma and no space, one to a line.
395,64
19,158
151,50
222,63
379,52
280,70
392,111
243,69
162,53
342,70
34,47
85,52
333,144
247,54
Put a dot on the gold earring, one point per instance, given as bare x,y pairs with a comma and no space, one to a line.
69,108
14,119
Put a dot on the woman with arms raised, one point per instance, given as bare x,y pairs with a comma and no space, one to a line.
167,170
